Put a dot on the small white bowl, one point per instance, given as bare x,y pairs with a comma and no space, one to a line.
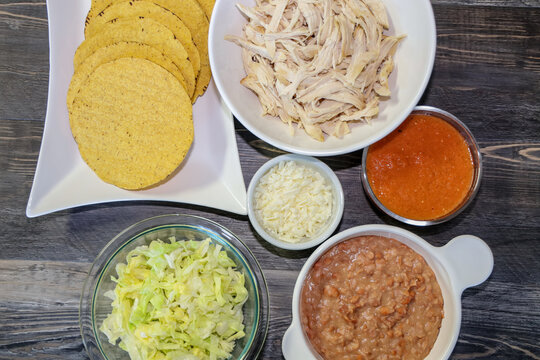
413,59
337,206
463,262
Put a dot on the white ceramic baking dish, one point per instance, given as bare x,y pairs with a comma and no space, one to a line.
464,262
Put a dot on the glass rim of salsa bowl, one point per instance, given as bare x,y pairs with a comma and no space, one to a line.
477,169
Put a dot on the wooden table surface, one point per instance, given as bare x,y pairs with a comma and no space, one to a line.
487,72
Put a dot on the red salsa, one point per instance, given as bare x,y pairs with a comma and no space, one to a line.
423,170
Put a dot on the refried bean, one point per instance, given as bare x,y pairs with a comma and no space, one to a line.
371,297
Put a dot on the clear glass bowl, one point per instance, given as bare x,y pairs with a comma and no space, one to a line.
94,306
477,170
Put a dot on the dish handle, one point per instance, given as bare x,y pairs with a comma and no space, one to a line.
294,345
469,258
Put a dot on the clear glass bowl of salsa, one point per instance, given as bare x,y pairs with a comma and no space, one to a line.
426,171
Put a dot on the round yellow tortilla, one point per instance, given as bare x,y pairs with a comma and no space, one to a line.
132,121
149,10
207,6
142,30
116,51
191,14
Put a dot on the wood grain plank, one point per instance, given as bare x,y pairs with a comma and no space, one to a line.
24,54
39,312
486,72
490,3
39,309
487,58
80,233
474,344
42,284
467,35
493,37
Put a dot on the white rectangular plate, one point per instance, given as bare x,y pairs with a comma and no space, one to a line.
209,176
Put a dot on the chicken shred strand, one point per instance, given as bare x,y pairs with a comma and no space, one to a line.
318,64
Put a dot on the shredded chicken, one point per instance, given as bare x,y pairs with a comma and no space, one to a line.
320,64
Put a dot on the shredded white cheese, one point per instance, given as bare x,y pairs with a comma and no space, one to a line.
293,201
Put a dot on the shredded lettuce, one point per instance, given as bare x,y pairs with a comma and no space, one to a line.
177,300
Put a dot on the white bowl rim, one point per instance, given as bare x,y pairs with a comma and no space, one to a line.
336,187
213,37
457,275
